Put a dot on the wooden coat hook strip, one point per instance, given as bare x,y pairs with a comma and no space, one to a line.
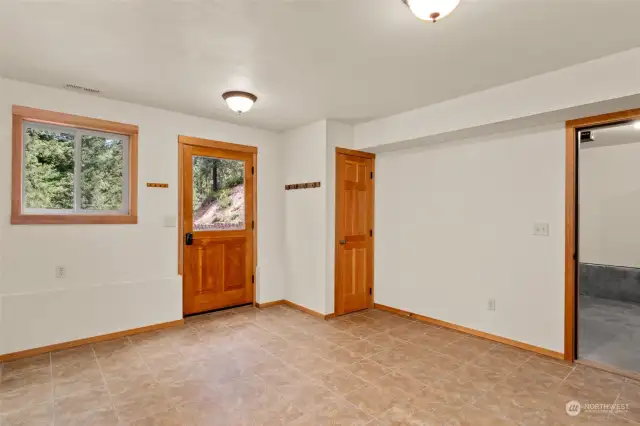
157,185
302,186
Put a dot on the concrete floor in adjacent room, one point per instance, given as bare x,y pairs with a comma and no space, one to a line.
609,332
278,366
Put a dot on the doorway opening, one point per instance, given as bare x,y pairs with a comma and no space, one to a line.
602,325
217,224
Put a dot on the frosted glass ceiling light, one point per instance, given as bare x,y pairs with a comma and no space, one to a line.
239,102
431,10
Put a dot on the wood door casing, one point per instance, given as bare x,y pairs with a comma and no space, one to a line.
354,231
218,268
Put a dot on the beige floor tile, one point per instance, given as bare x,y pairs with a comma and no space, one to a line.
25,396
335,411
19,366
342,357
366,331
285,415
101,417
476,377
305,395
363,348
550,366
80,405
115,346
591,385
399,383
341,382
631,390
14,380
278,366
372,399
32,415
80,354
385,340
127,389
342,339
456,390
141,406
367,370
76,377
164,418
390,358
314,366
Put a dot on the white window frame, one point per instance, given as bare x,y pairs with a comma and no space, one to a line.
77,174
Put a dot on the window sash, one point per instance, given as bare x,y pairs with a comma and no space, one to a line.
77,174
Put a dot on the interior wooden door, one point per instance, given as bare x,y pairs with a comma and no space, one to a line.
354,231
218,226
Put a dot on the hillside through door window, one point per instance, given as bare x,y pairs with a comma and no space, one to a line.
218,194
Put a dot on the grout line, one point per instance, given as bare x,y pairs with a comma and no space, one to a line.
104,380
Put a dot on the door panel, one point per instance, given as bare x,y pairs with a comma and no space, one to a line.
354,233
218,212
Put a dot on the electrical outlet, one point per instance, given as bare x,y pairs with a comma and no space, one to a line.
61,272
541,229
491,304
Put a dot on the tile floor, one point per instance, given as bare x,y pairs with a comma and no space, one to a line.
609,332
279,366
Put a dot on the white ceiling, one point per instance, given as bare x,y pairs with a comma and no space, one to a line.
352,60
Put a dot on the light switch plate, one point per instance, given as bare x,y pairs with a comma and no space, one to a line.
541,229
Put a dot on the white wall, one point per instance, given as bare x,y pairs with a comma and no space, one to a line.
610,205
119,276
305,160
310,213
454,226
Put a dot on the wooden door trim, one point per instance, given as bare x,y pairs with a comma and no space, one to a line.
337,231
355,153
207,143
227,146
571,206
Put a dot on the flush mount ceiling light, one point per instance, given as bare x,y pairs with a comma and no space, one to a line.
238,101
431,10
636,125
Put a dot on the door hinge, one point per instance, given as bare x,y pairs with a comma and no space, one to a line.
253,170
371,175
371,232
253,279
253,224
370,290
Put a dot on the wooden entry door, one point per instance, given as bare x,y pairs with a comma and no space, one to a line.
218,225
354,231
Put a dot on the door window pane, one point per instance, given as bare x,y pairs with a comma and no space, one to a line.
49,163
102,173
218,194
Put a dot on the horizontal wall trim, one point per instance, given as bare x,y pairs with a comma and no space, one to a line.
95,339
85,287
295,306
473,332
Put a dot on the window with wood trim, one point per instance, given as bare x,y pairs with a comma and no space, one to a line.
69,169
